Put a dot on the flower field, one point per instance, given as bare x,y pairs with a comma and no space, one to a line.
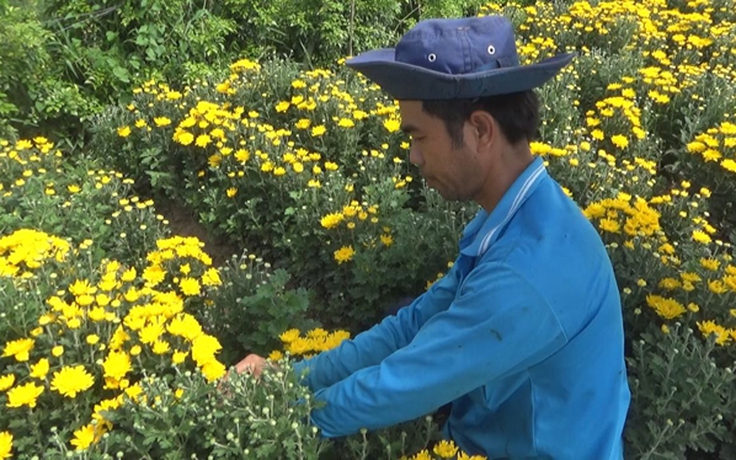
116,332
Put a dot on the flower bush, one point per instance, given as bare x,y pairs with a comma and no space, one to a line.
96,337
40,189
103,308
102,357
241,170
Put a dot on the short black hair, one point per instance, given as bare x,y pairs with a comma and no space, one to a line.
516,113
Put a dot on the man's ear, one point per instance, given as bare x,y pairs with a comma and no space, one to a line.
484,127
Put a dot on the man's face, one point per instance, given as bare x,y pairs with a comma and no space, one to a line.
456,173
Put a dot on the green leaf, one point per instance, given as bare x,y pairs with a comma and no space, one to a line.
121,73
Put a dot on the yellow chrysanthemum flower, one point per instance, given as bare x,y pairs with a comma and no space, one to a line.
290,335
346,123
6,381
83,437
204,348
179,357
151,331
24,395
190,286
183,137
318,130
40,369
422,455
71,380
708,328
161,121
6,445
344,254
392,125
445,449
701,237
211,277
203,140
332,220
620,141
116,365
275,355
213,370
665,307
20,349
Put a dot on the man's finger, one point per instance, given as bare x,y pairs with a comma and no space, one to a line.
244,367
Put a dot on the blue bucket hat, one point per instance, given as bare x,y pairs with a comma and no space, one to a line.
455,59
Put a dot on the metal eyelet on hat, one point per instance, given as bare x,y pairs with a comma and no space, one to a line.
491,49
432,57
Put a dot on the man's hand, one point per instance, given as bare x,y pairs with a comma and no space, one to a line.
253,364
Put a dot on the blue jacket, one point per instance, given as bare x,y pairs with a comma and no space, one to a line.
524,335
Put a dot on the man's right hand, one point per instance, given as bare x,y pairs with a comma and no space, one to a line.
253,364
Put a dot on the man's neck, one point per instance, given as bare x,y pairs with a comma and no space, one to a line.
510,165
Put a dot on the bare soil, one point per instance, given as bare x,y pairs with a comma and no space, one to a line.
184,222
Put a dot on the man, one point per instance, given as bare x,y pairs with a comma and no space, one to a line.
524,335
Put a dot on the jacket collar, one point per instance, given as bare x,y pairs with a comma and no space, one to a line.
484,229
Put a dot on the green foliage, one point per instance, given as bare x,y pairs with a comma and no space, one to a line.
77,299
254,173
394,442
64,60
617,134
445,8
638,130
679,393
45,193
385,268
253,307
316,31
114,45
320,32
33,91
241,418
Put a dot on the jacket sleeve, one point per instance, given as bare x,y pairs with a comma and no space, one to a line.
372,346
498,325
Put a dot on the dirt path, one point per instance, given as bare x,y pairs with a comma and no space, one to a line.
184,222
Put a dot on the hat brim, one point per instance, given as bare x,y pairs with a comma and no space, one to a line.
409,82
